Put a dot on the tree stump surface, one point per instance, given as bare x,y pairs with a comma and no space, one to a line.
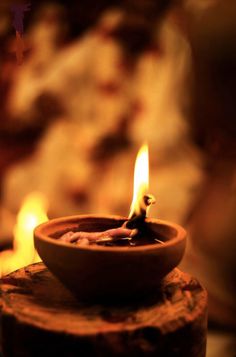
40,317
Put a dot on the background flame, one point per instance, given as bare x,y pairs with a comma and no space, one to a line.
31,214
141,180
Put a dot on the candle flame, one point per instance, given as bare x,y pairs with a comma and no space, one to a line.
141,199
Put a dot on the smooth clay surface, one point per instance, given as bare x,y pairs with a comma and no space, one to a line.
97,273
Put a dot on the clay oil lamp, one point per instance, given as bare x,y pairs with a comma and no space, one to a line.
112,258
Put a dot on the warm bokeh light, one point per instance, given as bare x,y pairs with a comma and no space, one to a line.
141,181
31,214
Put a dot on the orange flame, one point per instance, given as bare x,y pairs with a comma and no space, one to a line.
141,181
31,214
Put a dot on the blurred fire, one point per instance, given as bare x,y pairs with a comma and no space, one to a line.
31,214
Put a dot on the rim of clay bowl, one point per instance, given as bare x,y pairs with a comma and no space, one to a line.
39,234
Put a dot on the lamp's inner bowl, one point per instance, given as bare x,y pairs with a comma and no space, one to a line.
147,233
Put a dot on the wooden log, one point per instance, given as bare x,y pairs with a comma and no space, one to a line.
39,317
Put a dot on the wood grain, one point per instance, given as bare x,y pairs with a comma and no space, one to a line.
39,317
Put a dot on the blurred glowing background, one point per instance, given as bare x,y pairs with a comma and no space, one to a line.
97,79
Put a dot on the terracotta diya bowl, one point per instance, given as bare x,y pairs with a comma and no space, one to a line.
107,274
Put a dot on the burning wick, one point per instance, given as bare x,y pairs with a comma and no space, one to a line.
130,233
138,219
